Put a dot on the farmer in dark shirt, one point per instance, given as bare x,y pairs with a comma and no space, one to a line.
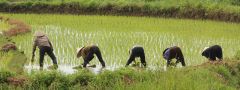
173,52
212,52
87,52
42,42
137,51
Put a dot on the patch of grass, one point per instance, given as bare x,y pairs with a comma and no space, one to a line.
4,74
200,77
225,10
82,79
4,26
12,60
237,55
51,80
223,71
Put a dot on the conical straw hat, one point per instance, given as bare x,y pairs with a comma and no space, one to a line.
79,52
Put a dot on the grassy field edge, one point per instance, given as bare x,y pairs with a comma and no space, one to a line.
224,75
182,10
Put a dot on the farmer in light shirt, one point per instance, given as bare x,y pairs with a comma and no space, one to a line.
42,42
87,52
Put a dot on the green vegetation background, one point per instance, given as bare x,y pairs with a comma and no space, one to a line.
224,10
202,77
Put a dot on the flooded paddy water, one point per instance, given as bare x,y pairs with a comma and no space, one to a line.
155,35
114,47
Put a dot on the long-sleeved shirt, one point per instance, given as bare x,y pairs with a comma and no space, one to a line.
86,50
88,54
41,41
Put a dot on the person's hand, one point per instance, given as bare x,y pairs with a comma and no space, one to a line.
103,67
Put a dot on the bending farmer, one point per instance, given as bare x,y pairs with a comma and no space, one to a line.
137,51
213,52
42,42
87,52
173,52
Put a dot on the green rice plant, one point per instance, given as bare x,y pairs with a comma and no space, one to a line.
128,78
115,35
82,78
51,80
224,10
4,26
237,55
4,74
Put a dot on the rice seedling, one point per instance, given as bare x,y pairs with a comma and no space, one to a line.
223,10
115,35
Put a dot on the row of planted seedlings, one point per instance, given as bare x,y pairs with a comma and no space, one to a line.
114,45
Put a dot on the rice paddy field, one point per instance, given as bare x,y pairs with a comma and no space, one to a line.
115,35
3,26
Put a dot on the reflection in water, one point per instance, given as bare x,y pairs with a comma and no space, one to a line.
68,69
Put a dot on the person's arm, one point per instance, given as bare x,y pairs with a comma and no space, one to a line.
131,58
34,49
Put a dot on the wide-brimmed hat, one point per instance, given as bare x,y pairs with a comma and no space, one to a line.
39,33
79,52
